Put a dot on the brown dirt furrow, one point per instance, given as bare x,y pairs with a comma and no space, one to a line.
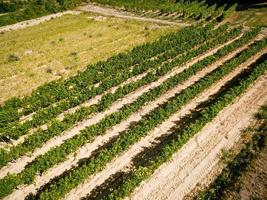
123,161
87,149
199,156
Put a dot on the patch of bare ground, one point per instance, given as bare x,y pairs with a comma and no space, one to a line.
32,22
18,165
198,159
257,168
123,162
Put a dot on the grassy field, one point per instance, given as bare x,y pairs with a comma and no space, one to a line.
64,45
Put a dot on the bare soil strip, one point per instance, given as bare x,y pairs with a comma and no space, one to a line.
32,22
126,15
194,162
123,161
19,164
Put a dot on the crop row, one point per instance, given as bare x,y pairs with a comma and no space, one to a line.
44,115
41,136
194,10
57,90
99,160
166,152
59,154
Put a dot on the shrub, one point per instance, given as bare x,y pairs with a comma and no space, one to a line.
13,58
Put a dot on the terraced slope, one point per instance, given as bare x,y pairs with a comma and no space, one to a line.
109,131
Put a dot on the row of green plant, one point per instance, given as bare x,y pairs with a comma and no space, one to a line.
39,137
98,161
29,9
44,115
184,9
109,73
240,162
32,9
11,6
59,154
142,173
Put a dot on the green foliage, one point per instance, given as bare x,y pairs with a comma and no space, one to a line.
11,6
193,9
25,10
263,113
12,58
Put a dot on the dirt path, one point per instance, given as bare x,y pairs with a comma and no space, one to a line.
19,164
126,15
86,150
32,22
194,162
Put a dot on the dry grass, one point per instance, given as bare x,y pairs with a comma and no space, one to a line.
62,46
